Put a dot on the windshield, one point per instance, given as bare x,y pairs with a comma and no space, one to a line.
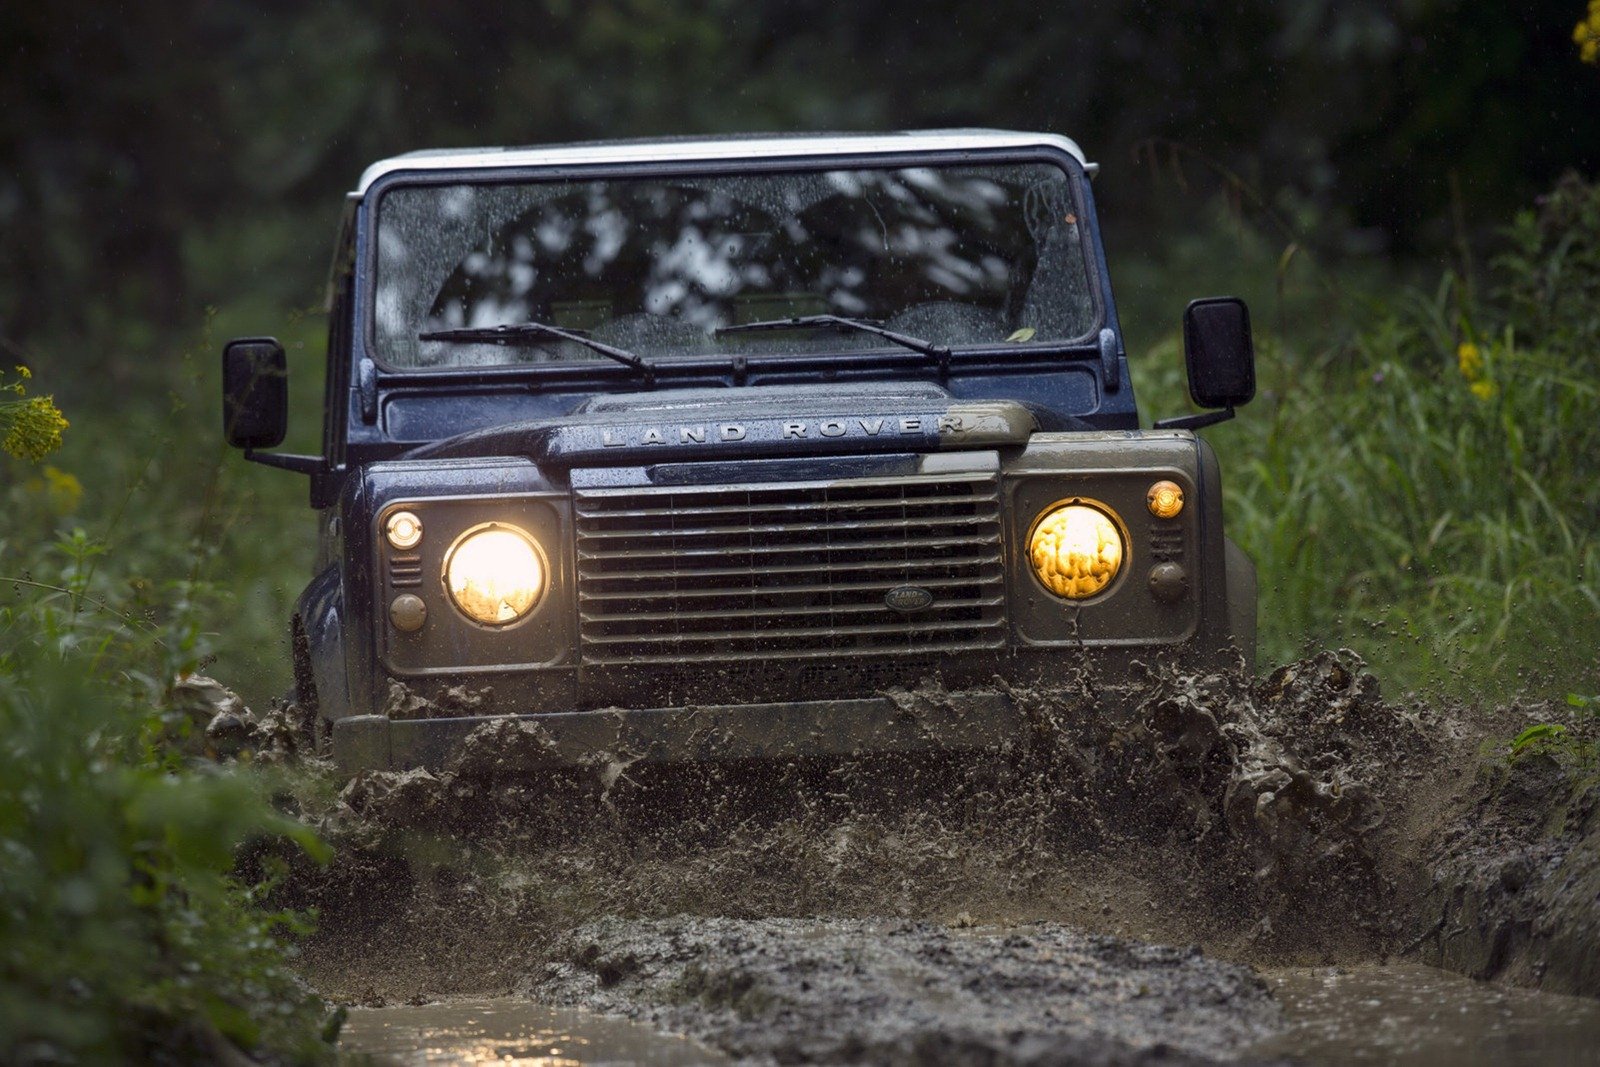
954,255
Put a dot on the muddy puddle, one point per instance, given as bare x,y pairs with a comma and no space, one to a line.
511,1032
1404,1014
1417,1016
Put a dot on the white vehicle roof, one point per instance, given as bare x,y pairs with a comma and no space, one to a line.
692,149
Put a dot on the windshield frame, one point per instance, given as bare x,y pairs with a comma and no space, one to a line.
603,375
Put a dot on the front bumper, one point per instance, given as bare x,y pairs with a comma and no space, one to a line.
905,722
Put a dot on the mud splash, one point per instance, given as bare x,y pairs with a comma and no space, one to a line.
1299,820
1276,821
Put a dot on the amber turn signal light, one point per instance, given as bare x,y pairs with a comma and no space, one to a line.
1165,499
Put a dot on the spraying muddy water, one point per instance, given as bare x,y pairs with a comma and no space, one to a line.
1003,908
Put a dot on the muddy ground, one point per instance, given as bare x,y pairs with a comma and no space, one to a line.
883,991
1006,909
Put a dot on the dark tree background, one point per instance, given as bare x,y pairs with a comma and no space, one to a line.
157,158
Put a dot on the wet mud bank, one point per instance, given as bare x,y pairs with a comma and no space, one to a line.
1515,891
853,991
789,910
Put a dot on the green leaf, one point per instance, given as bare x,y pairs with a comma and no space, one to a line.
1537,732
1578,700
1024,334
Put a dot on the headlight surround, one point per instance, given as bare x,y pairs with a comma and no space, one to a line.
495,574
1077,548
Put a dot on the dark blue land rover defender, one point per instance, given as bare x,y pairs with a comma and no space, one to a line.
742,447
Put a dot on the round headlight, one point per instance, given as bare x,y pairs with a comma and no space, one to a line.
404,530
495,574
1076,549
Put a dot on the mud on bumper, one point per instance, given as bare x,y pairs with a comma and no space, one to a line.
902,722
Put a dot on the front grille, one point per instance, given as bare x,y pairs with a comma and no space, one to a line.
795,570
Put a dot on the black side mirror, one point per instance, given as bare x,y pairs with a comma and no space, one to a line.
255,392
1219,352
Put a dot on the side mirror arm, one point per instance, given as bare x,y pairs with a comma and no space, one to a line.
287,461
1195,422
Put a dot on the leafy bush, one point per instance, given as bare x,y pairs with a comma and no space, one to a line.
125,936
122,935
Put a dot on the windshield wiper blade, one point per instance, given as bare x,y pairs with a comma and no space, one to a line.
520,332
805,322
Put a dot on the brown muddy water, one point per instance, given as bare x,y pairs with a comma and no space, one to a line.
471,1031
1006,910
1404,1014
1418,1016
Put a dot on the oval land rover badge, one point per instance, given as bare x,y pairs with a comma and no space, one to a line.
908,598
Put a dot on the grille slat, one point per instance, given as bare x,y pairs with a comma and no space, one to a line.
923,651
721,531
405,571
758,496
752,635
676,551
689,616
706,575
702,590
810,568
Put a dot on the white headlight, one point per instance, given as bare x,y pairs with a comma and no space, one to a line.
495,574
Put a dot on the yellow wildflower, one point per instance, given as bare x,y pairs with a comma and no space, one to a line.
32,427
1470,359
1484,389
1586,35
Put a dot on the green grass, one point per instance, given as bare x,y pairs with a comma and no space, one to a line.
1435,511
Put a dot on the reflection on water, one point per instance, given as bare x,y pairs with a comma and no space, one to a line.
1402,1014
1411,1014
510,1032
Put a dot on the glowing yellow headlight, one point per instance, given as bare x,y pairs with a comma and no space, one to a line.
495,574
1076,549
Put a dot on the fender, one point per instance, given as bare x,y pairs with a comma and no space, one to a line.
319,624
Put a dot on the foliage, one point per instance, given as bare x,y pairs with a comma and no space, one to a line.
125,936
1415,479
1538,732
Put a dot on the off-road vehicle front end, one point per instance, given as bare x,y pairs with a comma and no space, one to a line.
717,449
